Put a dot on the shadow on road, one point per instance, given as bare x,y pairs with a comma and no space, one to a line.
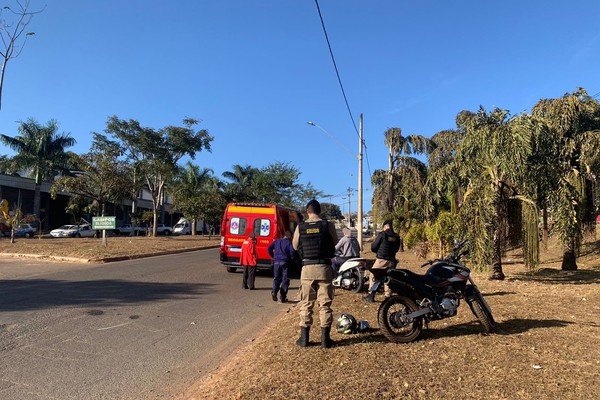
33,294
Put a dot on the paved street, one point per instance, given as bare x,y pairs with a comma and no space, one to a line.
140,329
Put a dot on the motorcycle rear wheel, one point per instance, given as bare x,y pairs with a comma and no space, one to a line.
357,280
391,323
483,313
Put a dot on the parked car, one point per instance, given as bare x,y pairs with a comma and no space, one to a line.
73,231
162,229
25,230
129,229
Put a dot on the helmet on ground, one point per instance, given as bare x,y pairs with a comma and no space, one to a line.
363,326
346,323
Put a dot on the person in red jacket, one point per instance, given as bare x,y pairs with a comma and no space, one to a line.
248,261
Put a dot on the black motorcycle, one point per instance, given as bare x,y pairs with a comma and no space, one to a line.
433,296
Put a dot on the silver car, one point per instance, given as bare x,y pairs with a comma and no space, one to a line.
73,231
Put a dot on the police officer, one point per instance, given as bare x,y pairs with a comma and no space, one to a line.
385,246
315,240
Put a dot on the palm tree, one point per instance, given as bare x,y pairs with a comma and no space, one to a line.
379,181
443,189
241,183
197,193
569,129
491,160
399,145
41,151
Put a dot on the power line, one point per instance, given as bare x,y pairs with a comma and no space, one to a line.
364,144
342,86
335,67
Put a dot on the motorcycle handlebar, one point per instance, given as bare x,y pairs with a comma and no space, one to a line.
430,262
455,256
459,247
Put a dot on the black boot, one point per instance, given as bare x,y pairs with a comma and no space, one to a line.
326,341
370,298
303,339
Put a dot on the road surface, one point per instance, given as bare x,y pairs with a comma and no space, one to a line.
139,329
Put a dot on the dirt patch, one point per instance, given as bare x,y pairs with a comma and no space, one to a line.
548,347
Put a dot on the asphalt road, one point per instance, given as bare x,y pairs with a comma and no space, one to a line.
140,329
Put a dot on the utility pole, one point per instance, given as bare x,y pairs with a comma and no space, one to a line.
359,220
349,213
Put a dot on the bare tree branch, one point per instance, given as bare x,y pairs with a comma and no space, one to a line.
11,33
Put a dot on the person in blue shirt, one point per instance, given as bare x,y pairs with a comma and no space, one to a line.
282,252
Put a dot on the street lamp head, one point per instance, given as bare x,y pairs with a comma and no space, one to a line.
311,123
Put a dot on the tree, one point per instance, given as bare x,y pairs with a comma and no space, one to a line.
197,194
569,129
157,152
239,189
6,166
17,218
331,212
398,146
379,181
276,183
100,175
41,151
441,174
13,24
492,160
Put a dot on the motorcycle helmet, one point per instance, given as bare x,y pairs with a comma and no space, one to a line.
346,323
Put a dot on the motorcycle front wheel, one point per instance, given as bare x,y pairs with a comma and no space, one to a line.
483,313
393,321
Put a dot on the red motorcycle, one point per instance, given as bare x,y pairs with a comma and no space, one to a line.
433,296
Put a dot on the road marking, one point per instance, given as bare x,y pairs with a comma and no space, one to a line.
116,326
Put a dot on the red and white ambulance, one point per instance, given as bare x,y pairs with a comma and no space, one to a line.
267,221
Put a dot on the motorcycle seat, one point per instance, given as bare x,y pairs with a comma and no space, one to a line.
427,279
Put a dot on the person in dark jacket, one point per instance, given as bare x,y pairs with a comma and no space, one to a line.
385,246
282,252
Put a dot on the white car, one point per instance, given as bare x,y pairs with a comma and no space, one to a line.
73,231
130,230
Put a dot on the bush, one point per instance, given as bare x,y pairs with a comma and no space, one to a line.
415,235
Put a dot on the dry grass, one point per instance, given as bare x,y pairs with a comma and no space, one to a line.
548,347
92,250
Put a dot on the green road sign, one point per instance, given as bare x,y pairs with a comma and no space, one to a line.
103,222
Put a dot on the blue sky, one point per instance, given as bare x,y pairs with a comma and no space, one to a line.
255,72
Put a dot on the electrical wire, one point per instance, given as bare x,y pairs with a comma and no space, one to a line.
335,66
342,86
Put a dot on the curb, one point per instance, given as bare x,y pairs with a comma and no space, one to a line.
106,259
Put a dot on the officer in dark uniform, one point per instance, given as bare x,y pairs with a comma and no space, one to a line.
385,246
315,240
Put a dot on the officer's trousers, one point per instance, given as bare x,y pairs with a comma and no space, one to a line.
316,289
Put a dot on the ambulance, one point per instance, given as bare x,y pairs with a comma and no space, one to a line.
267,221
